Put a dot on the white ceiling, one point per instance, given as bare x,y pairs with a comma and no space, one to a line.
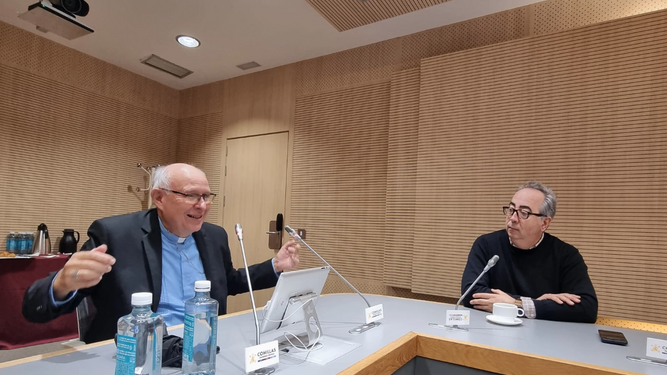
232,32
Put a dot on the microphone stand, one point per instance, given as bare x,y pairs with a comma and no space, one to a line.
361,328
492,262
239,234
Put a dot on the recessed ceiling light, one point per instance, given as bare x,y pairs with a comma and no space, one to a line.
187,41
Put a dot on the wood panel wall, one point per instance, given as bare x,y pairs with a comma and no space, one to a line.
401,178
339,177
350,14
73,130
393,251
254,104
583,111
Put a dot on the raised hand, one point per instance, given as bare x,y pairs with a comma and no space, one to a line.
287,257
83,270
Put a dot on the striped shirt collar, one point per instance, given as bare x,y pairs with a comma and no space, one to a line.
532,247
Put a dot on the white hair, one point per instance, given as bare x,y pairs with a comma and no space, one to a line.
161,178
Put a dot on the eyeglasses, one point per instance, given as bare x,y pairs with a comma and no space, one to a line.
194,198
523,214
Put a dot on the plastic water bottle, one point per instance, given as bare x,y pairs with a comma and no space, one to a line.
139,347
25,241
20,243
200,334
11,242
31,241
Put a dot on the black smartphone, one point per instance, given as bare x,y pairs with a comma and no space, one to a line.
612,337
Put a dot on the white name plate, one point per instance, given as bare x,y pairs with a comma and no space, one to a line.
260,356
656,348
458,317
374,313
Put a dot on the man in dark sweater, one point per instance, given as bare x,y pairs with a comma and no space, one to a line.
536,271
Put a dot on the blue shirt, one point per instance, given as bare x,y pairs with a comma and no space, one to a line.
181,267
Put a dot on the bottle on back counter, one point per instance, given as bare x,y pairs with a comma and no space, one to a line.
200,333
12,243
139,341
21,242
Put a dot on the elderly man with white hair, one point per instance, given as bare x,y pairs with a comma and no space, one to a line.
163,250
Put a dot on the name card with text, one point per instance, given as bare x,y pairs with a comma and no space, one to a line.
374,313
656,348
457,317
260,356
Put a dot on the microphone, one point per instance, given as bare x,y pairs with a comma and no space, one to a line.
239,234
492,262
296,236
361,328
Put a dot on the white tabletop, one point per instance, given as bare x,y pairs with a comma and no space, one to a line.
340,312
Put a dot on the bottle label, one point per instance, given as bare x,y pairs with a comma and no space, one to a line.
214,333
188,337
157,349
126,354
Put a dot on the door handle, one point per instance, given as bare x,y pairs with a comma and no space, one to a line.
275,233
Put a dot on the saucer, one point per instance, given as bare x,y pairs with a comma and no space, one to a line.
492,318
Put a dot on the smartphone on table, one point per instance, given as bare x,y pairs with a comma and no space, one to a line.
612,337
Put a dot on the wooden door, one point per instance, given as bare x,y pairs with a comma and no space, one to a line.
254,193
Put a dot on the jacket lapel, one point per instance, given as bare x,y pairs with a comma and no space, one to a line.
152,245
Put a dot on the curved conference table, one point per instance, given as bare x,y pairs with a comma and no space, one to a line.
533,347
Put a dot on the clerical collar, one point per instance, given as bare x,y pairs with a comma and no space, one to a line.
532,247
170,236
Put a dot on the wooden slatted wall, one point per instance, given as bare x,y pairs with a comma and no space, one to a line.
584,111
492,29
349,14
339,177
205,155
73,130
317,80
560,15
401,178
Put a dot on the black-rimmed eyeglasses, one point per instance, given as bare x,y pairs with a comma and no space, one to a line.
194,198
523,214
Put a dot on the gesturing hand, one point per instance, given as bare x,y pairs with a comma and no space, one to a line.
287,257
485,301
83,270
568,298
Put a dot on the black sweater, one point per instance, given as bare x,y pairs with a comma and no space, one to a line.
552,267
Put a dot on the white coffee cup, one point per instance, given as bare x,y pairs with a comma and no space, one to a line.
507,311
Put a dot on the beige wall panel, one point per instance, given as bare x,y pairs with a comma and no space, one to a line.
26,51
339,177
67,165
401,178
202,100
559,15
335,284
260,103
350,14
202,144
584,112
491,29
254,104
357,66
